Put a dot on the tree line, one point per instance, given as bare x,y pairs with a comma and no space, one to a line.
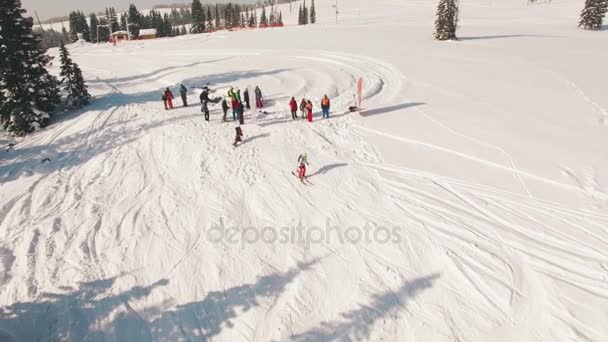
307,16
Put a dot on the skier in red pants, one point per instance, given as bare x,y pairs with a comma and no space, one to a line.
303,160
169,98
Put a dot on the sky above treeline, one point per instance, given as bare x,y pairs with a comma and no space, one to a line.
55,8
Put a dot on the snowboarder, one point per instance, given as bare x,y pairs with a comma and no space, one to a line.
258,97
183,91
309,110
246,98
168,98
303,108
239,136
293,105
225,109
325,103
303,160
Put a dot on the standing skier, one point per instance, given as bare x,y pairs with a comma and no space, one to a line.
258,97
183,91
325,103
164,98
235,108
231,93
303,161
225,109
169,98
303,108
246,98
205,101
309,110
293,106
239,136
241,113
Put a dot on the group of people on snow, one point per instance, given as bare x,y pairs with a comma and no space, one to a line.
237,102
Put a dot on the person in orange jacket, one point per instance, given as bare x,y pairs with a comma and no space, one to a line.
309,110
325,106
293,105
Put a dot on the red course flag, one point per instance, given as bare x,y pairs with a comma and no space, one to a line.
360,92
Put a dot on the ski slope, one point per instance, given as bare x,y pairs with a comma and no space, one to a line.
478,166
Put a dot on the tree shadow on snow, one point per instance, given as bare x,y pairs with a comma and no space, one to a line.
505,36
383,110
93,313
357,324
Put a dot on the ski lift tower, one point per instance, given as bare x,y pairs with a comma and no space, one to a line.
109,29
336,7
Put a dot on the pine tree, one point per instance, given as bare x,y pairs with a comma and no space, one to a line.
184,31
592,15
76,92
447,20
280,18
93,22
65,36
300,19
218,18
209,20
113,19
134,18
28,93
263,18
313,13
304,14
123,22
198,17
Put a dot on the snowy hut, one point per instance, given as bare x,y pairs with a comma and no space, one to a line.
147,34
120,35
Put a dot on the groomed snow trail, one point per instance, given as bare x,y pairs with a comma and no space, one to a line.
116,236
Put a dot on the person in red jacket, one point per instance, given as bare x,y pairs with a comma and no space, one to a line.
169,98
309,110
293,105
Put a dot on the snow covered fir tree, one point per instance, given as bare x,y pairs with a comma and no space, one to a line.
447,20
592,15
29,93
77,95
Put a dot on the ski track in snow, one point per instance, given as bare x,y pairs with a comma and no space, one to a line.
107,240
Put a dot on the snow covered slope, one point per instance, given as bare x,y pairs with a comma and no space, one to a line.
468,201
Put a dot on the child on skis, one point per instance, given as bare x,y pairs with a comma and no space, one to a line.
239,136
303,160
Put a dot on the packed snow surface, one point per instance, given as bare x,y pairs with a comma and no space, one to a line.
468,201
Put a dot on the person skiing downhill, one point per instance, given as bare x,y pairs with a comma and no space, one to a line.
168,98
309,110
239,136
303,161
183,91
258,97
293,106
303,108
325,103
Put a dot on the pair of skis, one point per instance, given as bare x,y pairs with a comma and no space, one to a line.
304,180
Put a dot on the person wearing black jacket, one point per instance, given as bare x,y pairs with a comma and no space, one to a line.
183,91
